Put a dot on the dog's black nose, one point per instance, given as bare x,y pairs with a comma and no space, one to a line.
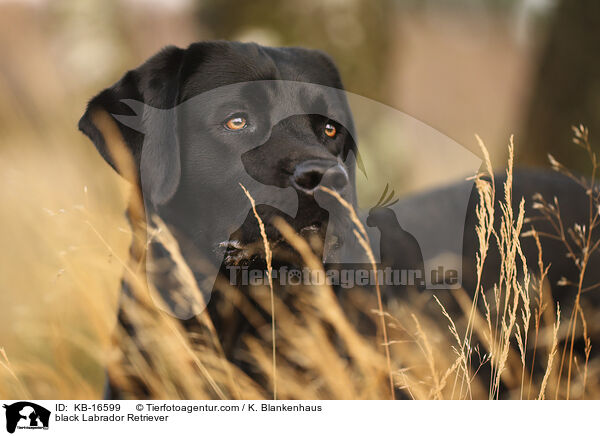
314,173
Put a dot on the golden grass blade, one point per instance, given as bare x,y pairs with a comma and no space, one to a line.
363,240
269,257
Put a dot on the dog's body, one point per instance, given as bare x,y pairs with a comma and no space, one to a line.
297,154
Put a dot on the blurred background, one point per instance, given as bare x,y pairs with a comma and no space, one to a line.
492,67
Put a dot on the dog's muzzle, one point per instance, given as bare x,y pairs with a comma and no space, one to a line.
310,175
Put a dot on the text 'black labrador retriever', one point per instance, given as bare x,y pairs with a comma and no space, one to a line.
191,126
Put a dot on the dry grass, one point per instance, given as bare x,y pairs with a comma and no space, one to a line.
59,345
268,258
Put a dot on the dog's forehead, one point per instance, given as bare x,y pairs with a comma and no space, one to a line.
213,66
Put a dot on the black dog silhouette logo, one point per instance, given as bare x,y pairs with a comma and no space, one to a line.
26,415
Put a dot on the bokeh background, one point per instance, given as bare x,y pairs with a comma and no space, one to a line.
492,67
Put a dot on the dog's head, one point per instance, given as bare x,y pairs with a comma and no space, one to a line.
193,124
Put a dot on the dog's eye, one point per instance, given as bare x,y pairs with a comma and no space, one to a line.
236,122
330,130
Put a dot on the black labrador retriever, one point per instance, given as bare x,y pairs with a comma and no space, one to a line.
197,122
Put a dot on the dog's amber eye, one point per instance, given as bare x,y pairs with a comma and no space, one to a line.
236,123
330,130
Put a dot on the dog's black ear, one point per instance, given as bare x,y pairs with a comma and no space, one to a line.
141,93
